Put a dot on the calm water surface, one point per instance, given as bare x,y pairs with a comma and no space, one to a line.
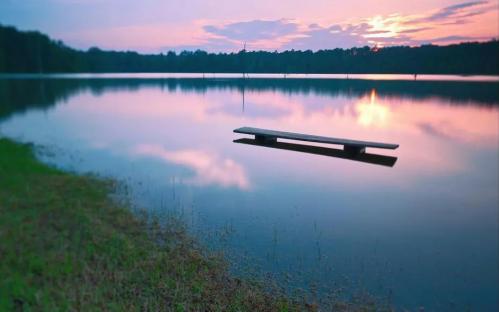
421,233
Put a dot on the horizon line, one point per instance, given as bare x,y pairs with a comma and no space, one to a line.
372,48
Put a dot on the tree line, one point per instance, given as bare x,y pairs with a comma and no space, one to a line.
34,52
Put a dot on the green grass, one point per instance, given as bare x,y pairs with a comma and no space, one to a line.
65,245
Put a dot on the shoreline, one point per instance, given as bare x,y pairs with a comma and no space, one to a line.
68,246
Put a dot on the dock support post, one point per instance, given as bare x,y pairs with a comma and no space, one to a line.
354,150
265,139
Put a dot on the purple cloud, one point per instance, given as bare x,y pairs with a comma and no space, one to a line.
414,30
452,10
456,22
458,11
335,36
253,30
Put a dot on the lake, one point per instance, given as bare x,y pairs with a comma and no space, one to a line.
422,232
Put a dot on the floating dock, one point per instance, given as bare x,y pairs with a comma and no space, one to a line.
266,136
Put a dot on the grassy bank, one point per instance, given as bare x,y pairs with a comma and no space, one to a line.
64,245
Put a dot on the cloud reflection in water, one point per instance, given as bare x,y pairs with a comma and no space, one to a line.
209,168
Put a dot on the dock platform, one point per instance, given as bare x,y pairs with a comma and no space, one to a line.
351,146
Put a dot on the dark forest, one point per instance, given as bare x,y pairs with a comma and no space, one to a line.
33,52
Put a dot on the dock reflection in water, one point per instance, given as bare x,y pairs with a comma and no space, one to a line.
375,159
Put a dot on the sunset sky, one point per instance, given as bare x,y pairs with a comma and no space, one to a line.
224,25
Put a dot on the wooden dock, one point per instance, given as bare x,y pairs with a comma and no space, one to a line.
351,146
